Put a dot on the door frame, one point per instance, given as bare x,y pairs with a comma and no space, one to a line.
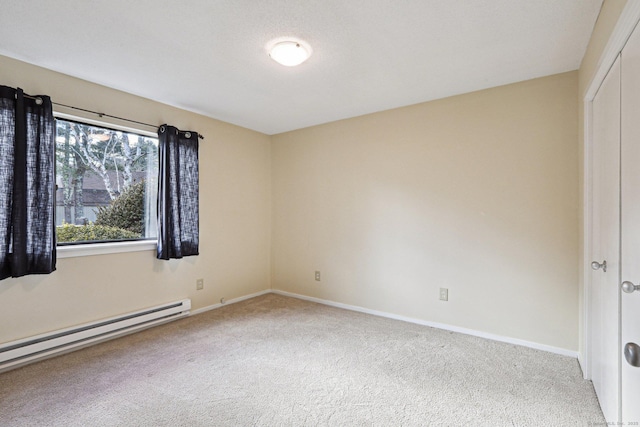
627,22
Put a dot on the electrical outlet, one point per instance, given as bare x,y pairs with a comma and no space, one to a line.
444,294
317,276
199,284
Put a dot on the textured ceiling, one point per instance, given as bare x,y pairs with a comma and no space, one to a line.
209,56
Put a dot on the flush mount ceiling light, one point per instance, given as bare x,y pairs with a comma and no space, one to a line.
289,52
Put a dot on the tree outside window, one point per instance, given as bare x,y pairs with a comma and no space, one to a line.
106,184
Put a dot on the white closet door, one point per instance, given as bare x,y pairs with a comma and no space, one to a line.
630,225
604,295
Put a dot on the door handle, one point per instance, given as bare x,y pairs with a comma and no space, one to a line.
632,354
629,287
595,265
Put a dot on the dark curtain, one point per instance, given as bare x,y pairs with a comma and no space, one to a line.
178,224
27,184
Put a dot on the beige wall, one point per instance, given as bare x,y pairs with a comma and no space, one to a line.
477,193
609,15
235,210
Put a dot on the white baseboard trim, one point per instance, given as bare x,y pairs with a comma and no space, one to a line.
443,326
231,301
581,362
480,334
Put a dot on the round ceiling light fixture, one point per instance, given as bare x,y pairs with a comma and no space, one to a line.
289,52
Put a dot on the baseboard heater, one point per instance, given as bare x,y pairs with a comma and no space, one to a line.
21,352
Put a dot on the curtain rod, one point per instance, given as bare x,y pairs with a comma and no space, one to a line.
39,101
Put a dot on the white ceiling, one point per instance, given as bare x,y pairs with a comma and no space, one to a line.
208,56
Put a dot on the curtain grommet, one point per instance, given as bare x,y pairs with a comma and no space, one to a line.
187,134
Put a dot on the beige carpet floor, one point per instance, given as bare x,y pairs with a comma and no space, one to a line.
278,361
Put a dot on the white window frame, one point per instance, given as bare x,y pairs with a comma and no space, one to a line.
104,248
88,249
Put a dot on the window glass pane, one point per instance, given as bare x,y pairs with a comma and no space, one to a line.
106,184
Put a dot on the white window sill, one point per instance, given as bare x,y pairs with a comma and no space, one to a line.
89,249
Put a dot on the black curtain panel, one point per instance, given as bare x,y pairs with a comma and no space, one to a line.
178,218
27,184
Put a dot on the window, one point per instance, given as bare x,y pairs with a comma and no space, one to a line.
106,184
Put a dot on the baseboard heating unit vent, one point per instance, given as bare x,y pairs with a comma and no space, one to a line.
21,352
